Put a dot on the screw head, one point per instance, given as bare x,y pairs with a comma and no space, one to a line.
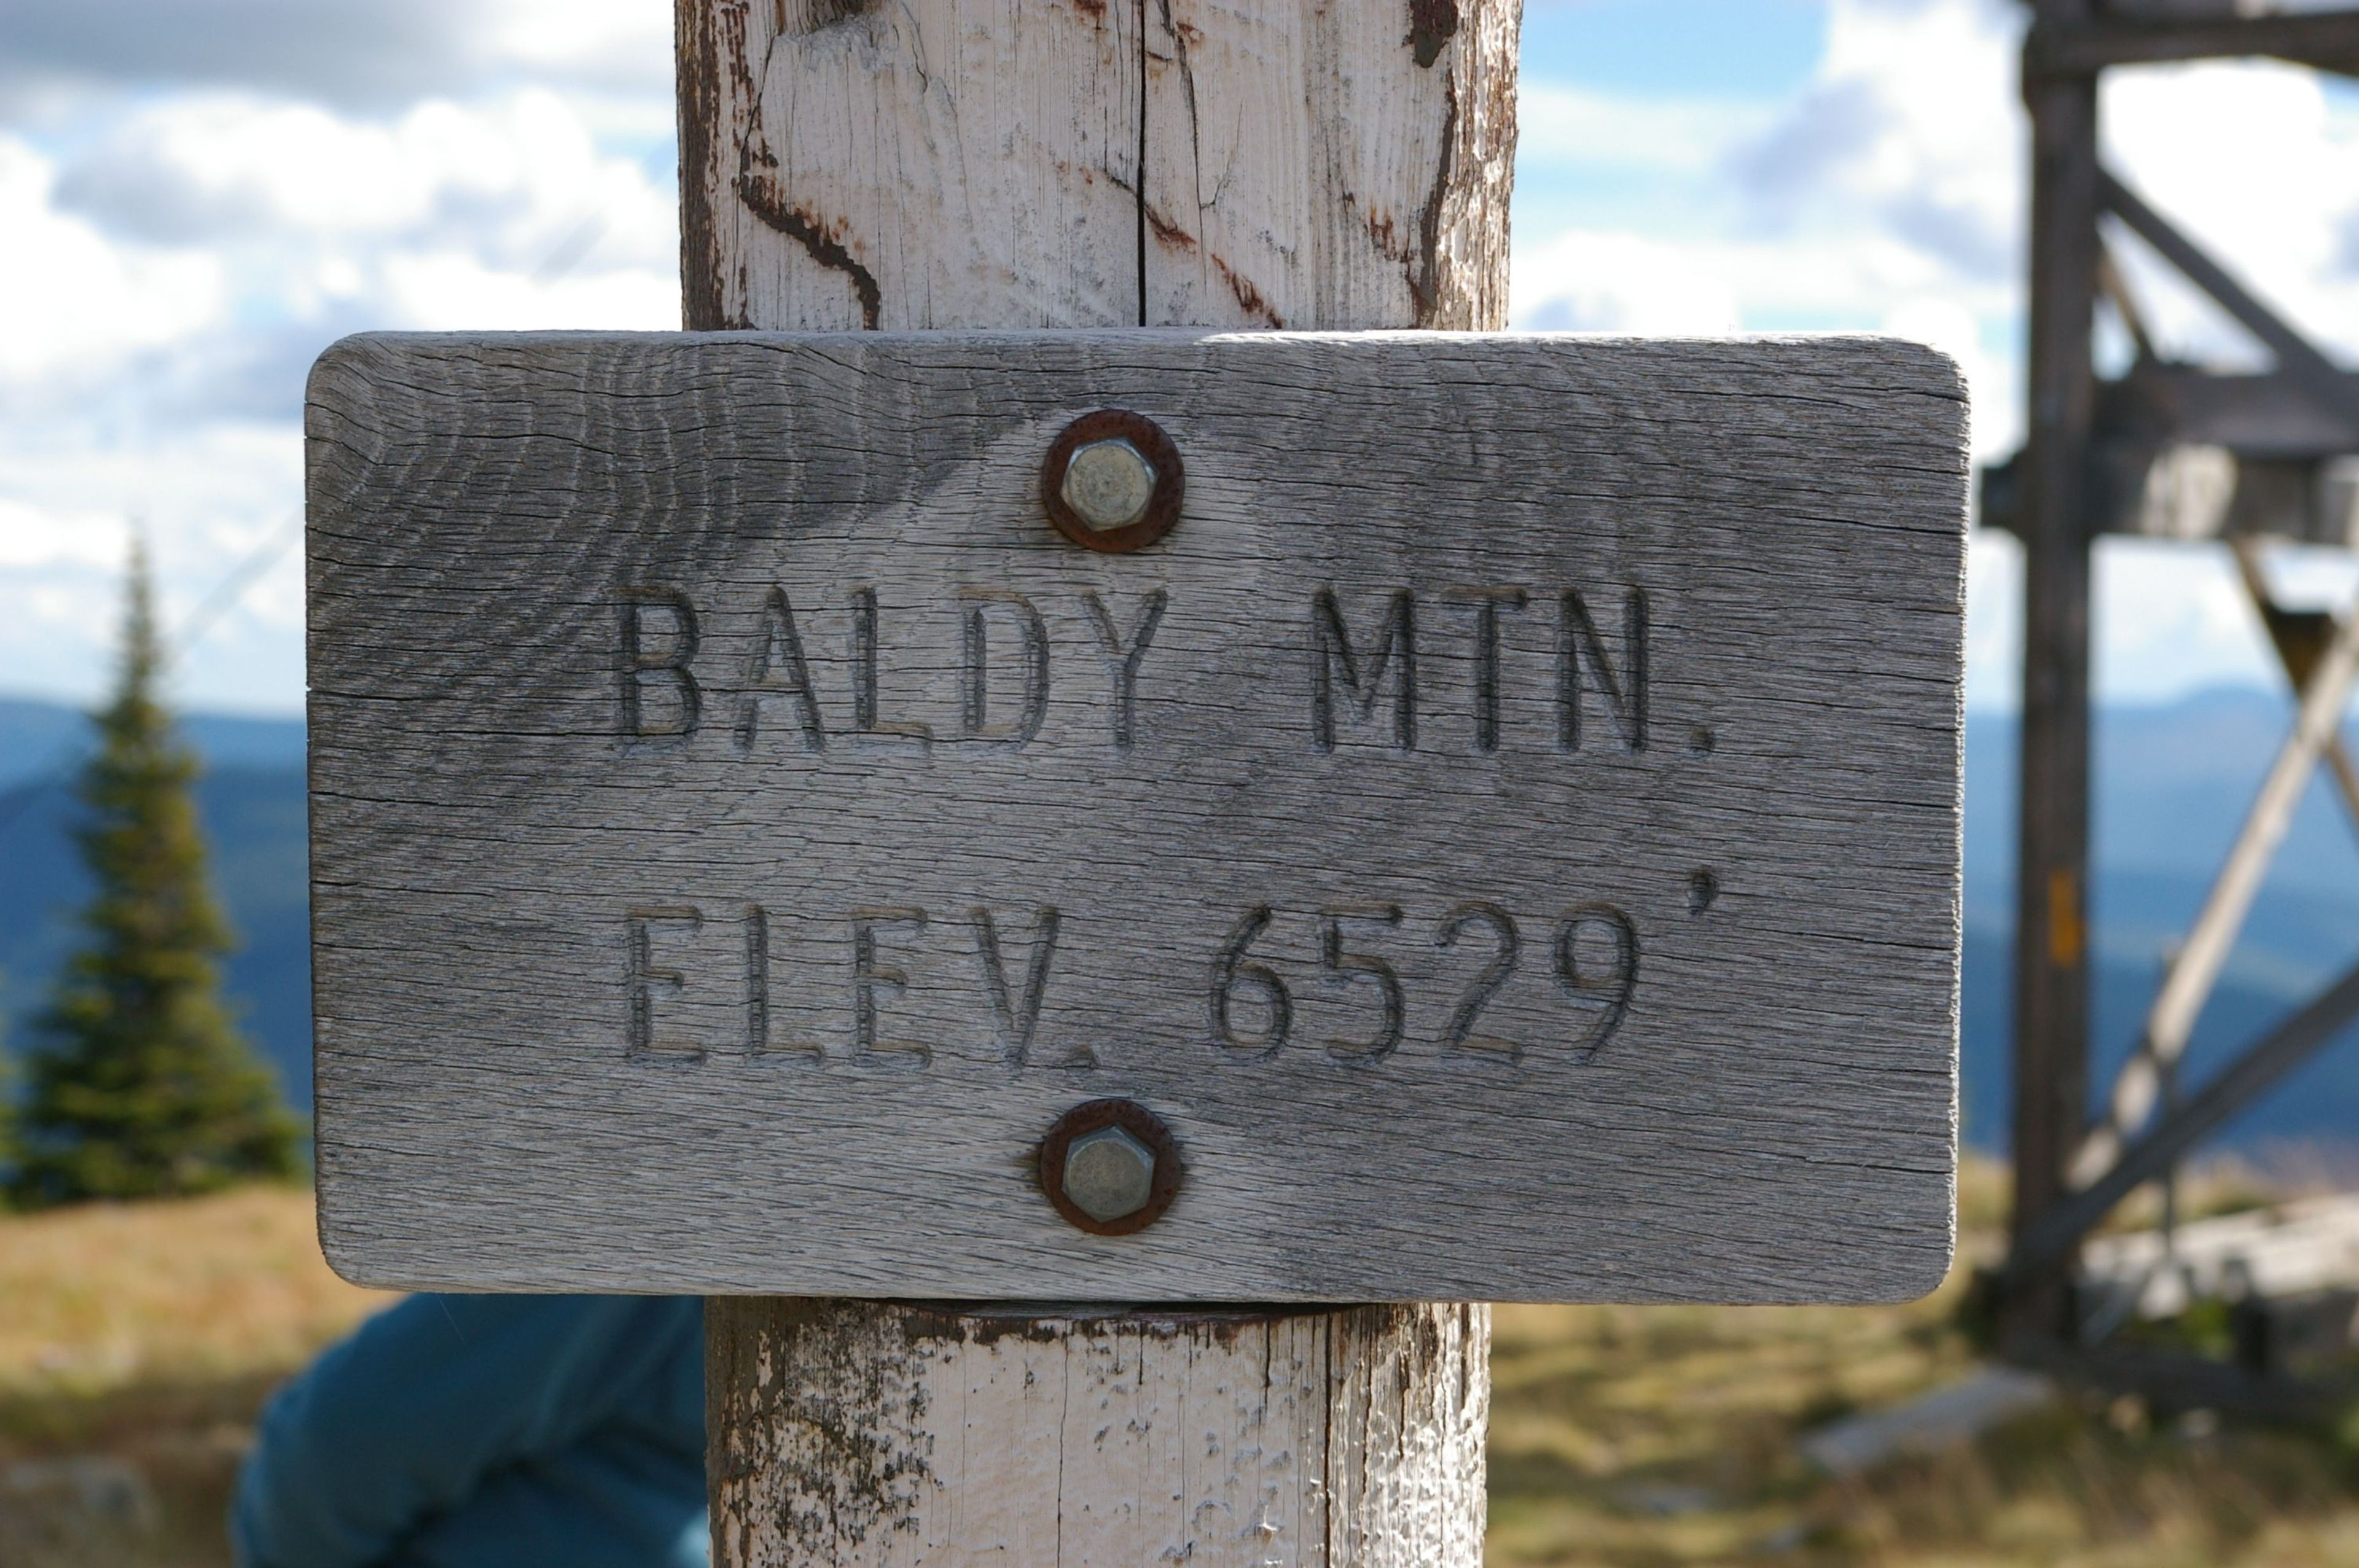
1109,1174
1109,484
1110,1167
1112,482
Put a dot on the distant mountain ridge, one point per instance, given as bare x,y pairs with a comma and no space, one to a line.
42,738
2174,782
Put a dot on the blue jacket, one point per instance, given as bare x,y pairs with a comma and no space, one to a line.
488,1431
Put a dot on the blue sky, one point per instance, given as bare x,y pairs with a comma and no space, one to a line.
1757,50
195,198
1749,55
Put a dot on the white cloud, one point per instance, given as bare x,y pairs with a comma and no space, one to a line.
2166,619
1849,280
1563,126
30,537
1884,198
73,305
352,54
1947,166
610,42
450,291
2170,617
1609,282
2256,164
204,497
163,292
510,178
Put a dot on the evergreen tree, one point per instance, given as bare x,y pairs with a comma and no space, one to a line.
7,1125
140,1085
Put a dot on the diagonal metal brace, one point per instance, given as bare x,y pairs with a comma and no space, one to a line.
2197,967
2295,355
2057,1230
2300,639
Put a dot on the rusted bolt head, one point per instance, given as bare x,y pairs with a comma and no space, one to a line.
1110,1167
1109,484
1109,1174
1112,482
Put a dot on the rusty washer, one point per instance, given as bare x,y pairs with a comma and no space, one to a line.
1110,1167
1112,482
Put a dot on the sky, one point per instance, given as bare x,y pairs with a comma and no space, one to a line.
196,196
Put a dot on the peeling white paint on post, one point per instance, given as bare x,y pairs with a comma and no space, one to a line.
902,164
883,1434
958,163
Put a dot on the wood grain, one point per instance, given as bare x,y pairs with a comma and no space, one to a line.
875,1433
943,163
979,162
539,1062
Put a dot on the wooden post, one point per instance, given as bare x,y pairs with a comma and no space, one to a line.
929,164
2052,1001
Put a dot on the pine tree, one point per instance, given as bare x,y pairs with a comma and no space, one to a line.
140,1085
7,1126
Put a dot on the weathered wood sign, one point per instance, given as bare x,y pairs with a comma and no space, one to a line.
1503,838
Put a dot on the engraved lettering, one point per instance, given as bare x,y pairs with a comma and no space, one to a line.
779,670
873,982
1122,662
1506,945
1395,651
660,698
1603,992
864,717
1578,644
645,975
1487,602
978,603
757,979
1232,972
1019,1020
1343,969
758,1042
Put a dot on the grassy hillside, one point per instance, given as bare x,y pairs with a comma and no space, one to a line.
138,1342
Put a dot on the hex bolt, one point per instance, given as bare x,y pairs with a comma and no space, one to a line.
1112,482
1109,484
1109,1167
1109,1174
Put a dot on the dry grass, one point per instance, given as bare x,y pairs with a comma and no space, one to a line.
1640,1437
1660,1436
137,1343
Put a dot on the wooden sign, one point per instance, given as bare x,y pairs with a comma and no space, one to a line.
1500,832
